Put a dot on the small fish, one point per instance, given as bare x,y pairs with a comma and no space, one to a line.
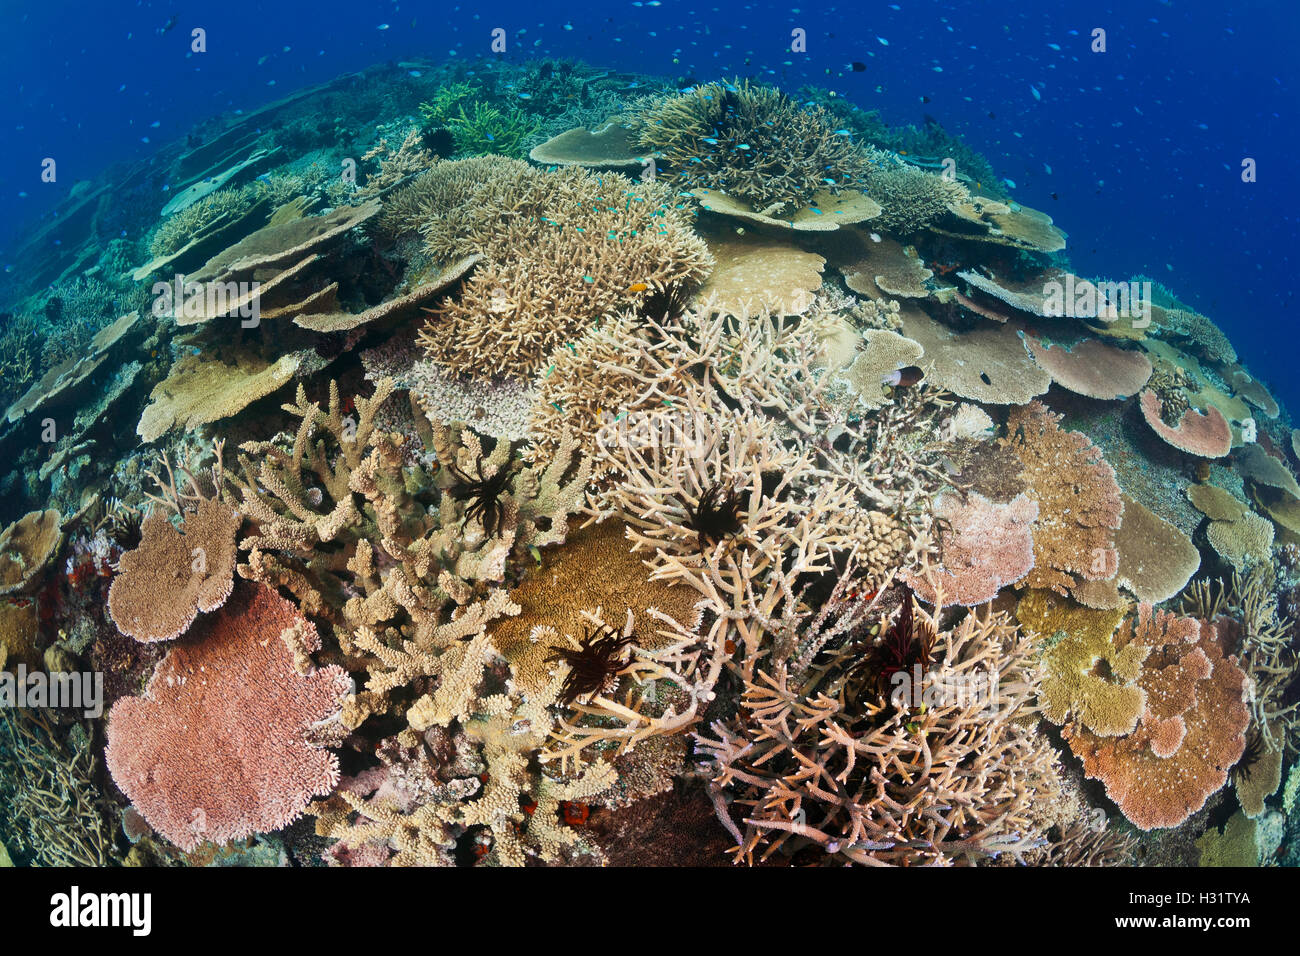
843,132
415,73
742,146
382,26
155,124
883,41
637,287
1034,90
166,27
525,96
490,137
710,140
875,237
1054,46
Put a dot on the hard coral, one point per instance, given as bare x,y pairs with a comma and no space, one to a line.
1192,728
986,547
930,777
751,142
26,547
1198,433
576,247
1079,504
164,583
221,744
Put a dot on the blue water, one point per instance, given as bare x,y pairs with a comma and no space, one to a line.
1136,152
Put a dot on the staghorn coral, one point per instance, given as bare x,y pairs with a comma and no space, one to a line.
751,142
1192,727
1079,504
52,812
817,761
224,742
486,129
395,165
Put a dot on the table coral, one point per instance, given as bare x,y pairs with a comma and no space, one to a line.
220,747
1079,504
986,547
1192,728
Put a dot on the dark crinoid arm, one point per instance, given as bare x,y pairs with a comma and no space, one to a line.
718,514
483,494
595,663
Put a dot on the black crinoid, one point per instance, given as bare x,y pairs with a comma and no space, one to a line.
125,526
483,493
594,664
1240,772
909,641
717,515
665,304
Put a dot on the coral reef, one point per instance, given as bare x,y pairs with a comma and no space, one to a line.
726,485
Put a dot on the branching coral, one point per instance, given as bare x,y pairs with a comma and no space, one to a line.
486,129
751,142
573,248
51,810
910,199
946,772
